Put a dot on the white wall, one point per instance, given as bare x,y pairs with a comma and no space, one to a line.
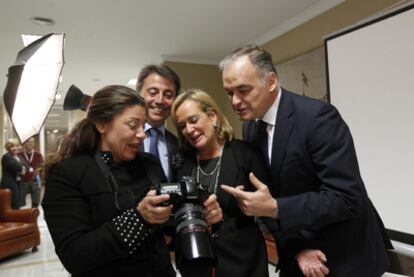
371,82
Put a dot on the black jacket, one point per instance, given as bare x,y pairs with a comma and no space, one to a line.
11,169
238,241
322,199
83,220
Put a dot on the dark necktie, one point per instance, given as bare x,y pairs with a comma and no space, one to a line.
153,134
262,139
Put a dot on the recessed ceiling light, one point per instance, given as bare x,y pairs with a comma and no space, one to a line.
43,21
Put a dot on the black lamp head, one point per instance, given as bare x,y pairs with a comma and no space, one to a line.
76,99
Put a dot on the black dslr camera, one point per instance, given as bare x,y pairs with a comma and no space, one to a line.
193,243
186,191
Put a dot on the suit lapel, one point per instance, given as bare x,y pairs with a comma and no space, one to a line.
172,143
283,129
228,175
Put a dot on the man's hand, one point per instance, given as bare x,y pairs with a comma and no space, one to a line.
312,263
212,210
256,203
151,209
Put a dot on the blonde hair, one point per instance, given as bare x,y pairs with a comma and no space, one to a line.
223,128
11,143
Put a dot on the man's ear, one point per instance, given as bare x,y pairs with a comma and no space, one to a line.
272,81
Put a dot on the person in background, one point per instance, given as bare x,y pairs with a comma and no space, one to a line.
212,156
159,85
31,180
316,198
13,167
100,206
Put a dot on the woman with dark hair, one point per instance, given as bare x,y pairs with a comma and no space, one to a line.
102,214
13,168
213,157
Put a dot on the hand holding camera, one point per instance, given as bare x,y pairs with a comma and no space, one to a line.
212,210
193,206
151,209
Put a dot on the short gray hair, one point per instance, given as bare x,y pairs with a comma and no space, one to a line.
258,56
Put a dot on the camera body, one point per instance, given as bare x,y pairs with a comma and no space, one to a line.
185,191
194,248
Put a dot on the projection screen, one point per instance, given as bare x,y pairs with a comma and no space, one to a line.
370,70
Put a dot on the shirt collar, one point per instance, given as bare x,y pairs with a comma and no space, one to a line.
160,128
271,114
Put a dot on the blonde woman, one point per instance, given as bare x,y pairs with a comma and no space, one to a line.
12,170
213,157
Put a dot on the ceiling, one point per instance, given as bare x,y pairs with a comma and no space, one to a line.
108,41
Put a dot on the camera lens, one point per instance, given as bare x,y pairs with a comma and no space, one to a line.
193,237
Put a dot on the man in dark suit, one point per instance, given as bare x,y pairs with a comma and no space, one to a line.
316,198
159,85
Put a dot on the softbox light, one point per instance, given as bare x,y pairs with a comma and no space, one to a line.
32,84
76,99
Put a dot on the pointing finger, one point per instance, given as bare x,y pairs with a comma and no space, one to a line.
256,182
236,192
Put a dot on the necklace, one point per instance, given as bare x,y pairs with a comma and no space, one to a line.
215,171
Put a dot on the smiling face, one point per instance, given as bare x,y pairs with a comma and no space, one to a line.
124,134
197,126
159,94
251,95
14,150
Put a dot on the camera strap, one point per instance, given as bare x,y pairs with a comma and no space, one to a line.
109,177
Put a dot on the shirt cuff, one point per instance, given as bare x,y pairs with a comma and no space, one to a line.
132,229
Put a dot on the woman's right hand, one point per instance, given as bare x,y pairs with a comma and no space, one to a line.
212,210
152,210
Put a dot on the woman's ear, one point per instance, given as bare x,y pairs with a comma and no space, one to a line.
100,127
212,115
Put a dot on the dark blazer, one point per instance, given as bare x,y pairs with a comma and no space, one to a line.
322,200
79,209
172,146
238,241
10,170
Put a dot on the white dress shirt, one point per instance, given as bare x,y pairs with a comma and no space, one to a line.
270,118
